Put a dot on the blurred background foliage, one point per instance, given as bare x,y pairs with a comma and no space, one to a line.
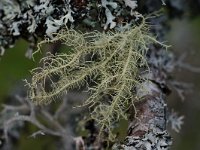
14,67
185,39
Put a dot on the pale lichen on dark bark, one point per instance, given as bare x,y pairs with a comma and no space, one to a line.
34,19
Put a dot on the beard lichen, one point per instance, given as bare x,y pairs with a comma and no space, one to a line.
111,61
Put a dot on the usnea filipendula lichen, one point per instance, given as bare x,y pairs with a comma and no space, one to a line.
112,61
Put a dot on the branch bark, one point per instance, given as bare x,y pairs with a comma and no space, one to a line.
148,129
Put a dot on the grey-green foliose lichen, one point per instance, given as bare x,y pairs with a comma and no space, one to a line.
31,19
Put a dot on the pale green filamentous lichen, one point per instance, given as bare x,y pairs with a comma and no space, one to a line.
115,59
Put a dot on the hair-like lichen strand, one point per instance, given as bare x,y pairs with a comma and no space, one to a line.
115,70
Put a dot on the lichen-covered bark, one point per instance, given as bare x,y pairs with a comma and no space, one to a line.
32,19
147,126
148,130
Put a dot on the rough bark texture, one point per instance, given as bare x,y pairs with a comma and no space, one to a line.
148,130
